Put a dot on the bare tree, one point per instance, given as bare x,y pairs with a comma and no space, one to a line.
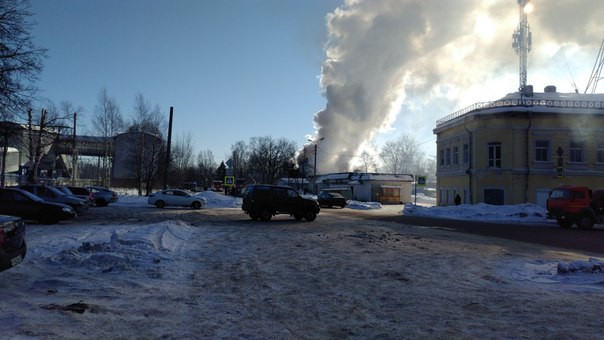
206,167
42,131
10,132
20,66
401,155
182,157
239,156
20,59
267,157
147,150
70,112
368,162
429,168
109,122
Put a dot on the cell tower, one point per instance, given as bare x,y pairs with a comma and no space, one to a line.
523,40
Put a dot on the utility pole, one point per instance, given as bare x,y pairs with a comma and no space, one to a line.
314,179
168,148
74,157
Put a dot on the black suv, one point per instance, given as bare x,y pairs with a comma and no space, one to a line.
262,201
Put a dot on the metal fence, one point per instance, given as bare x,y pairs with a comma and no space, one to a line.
525,102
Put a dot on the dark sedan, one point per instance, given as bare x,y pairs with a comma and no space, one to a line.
52,194
28,206
79,192
331,199
12,241
102,196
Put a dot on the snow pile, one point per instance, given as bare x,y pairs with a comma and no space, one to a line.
422,199
579,275
216,200
130,200
358,205
591,266
520,213
118,249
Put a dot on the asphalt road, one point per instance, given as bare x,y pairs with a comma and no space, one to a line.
588,241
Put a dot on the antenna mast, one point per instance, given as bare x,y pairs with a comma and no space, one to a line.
596,71
523,40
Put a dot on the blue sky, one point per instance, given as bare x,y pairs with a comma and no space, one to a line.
231,69
236,69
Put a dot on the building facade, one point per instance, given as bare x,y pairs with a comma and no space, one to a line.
516,149
116,155
369,187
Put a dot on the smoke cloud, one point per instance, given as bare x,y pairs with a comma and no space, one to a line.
414,61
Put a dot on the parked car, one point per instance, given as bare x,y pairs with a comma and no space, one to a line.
52,194
331,199
102,196
28,206
262,201
12,241
79,192
176,197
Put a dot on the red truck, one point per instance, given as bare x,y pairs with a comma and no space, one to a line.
575,204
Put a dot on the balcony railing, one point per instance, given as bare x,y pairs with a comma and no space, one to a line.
525,102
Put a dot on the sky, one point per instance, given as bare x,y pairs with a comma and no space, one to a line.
350,73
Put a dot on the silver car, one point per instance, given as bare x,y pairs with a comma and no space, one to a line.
177,198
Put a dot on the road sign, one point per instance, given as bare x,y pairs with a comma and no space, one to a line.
421,180
229,181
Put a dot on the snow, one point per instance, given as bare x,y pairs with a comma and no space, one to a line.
521,213
84,268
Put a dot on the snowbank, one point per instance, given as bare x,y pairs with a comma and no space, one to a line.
520,213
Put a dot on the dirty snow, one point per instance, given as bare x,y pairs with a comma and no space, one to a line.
133,280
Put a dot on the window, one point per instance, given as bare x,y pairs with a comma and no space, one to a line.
541,151
576,152
600,152
448,156
279,193
292,193
494,156
442,157
466,153
44,192
455,155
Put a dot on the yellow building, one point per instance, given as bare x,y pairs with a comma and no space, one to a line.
516,149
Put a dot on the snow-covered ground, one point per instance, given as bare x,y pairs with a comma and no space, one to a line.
75,273
573,271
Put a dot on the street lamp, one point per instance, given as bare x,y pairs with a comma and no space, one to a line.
314,179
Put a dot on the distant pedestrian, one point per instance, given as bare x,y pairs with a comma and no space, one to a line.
457,199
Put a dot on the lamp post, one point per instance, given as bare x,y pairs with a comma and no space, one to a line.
314,178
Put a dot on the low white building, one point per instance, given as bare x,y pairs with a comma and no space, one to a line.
369,187
301,184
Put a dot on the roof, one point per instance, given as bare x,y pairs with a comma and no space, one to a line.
550,101
362,176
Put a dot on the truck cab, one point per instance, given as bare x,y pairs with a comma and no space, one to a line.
573,204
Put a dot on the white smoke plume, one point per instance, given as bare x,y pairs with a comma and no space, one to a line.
417,60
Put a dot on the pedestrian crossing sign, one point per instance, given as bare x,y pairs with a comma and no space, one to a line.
229,181
421,180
